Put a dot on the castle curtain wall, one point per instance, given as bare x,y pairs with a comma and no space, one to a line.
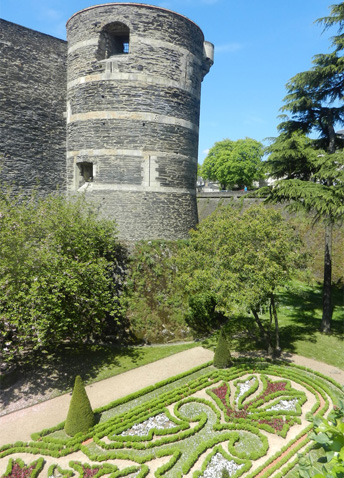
32,109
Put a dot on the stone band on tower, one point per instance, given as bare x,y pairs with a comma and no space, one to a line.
133,102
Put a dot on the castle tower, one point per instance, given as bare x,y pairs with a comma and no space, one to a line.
133,101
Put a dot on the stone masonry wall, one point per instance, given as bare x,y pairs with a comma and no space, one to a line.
32,109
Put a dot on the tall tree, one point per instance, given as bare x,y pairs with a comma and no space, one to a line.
290,157
336,18
234,162
314,103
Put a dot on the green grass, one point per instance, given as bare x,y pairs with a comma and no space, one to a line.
299,315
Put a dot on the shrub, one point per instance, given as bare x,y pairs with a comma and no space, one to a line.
60,274
80,416
222,357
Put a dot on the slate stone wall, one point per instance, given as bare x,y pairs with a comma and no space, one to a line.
133,118
32,109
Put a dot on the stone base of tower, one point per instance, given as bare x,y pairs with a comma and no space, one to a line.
147,215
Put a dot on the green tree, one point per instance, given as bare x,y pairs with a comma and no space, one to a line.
234,163
336,18
240,259
314,103
60,274
290,157
80,416
323,197
222,357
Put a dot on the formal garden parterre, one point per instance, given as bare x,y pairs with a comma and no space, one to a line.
249,420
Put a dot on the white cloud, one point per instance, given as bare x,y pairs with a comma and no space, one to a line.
254,119
228,47
51,14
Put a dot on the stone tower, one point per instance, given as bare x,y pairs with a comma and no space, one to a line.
133,100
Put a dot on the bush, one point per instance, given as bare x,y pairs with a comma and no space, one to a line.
61,273
222,357
80,416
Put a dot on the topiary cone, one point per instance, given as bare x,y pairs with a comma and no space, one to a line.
80,416
222,357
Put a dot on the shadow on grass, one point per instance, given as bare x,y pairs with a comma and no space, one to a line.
299,313
56,372
303,308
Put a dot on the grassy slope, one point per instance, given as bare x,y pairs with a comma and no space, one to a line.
300,310
299,314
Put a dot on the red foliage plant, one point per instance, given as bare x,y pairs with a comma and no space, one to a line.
89,472
271,388
20,472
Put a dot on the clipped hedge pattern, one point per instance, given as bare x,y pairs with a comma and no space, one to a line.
212,411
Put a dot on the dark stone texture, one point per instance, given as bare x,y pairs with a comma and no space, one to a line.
132,118
32,107
148,215
135,116
134,97
131,134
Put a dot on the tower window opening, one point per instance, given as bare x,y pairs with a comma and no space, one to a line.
113,40
85,170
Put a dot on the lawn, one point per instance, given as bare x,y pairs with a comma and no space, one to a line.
300,311
299,316
249,419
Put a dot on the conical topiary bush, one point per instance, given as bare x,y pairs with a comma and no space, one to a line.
222,357
225,473
80,416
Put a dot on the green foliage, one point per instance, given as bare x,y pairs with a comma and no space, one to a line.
323,195
234,162
155,305
328,434
290,157
314,102
201,429
61,273
17,468
239,259
222,357
80,416
225,473
336,18
202,315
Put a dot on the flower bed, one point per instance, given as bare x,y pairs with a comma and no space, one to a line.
194,425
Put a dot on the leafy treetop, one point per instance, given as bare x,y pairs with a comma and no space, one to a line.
234,162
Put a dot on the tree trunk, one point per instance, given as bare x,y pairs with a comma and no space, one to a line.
265,336
327,302
274,312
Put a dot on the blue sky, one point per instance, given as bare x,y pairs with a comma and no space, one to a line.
259,46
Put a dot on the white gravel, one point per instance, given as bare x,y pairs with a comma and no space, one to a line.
159,422
217,464
243,388
284,405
